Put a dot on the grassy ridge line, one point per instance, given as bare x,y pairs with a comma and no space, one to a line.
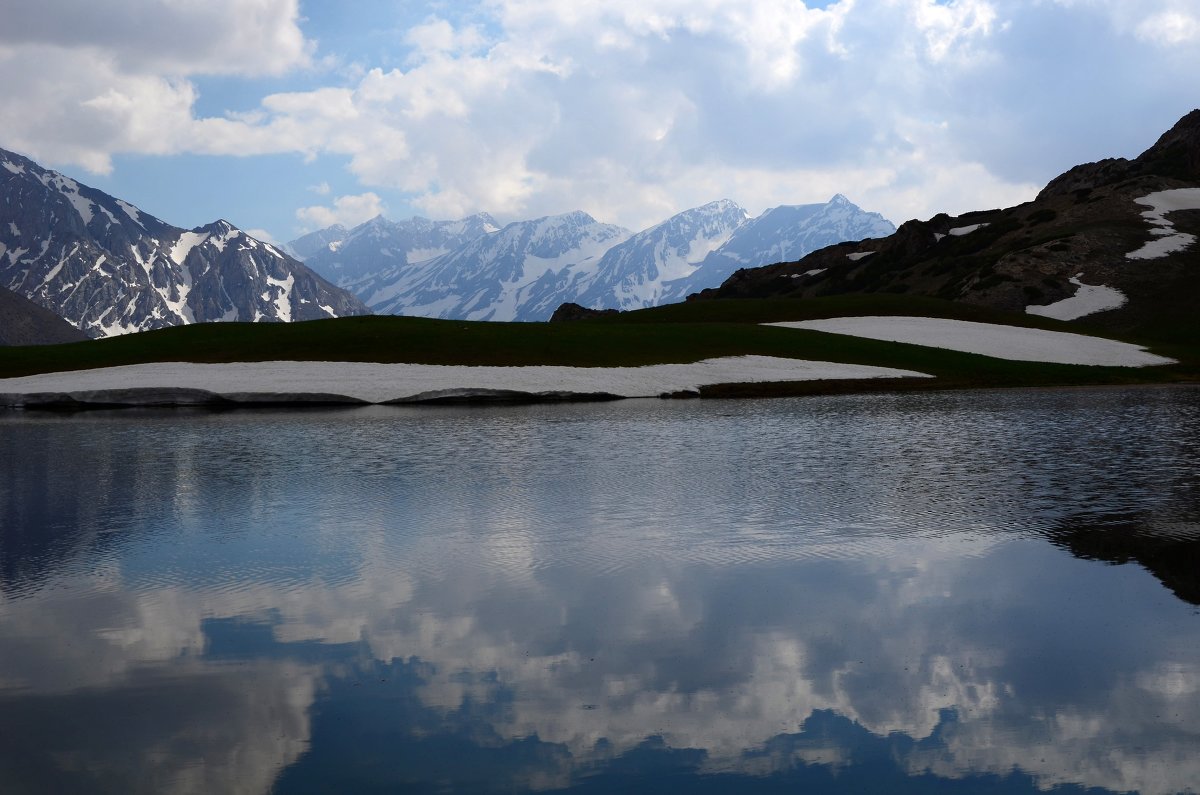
773,310
654,336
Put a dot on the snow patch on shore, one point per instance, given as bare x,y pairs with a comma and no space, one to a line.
989,339
380,383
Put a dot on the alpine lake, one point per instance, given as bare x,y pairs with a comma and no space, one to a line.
948,592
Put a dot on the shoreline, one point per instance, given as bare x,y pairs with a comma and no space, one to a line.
181,398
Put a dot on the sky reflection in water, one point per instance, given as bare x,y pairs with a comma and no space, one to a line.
889,592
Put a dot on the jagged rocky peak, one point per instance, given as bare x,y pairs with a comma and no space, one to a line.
575,218
694,233
221,231
108,268
221,228
482,220
565,231
376,227
721,208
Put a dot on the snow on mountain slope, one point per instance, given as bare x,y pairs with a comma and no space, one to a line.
109,268
633,274
327,239
781,234
529,268
503,275
379,245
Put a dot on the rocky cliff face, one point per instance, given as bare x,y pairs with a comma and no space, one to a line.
108,268
1112,242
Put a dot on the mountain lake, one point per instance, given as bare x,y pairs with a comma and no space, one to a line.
989,591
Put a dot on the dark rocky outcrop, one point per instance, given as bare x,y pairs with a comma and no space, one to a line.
570,312
22,322
1177,153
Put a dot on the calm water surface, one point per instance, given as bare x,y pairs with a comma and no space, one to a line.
964,592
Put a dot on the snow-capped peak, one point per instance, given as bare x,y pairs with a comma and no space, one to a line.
219,227
472,269
109,268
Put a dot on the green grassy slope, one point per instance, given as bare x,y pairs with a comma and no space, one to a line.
678,333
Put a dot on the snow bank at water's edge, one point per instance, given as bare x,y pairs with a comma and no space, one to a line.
182,383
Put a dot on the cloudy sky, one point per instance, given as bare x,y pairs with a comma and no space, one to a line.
289,115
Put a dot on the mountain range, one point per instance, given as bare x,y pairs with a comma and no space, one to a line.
469,269
108,268
1112,244
348,257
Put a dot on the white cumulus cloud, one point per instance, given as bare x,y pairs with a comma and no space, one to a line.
349,211
1170,28
82,81
629,109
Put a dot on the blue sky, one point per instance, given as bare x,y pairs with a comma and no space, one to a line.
288,115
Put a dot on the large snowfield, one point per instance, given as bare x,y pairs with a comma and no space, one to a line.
299,382
381,383
988,339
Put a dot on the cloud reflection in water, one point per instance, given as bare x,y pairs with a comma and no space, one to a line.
545,597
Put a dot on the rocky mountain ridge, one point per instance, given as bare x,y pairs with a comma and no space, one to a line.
352,256
108,268
528,268
1112,243
511,274
778,234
